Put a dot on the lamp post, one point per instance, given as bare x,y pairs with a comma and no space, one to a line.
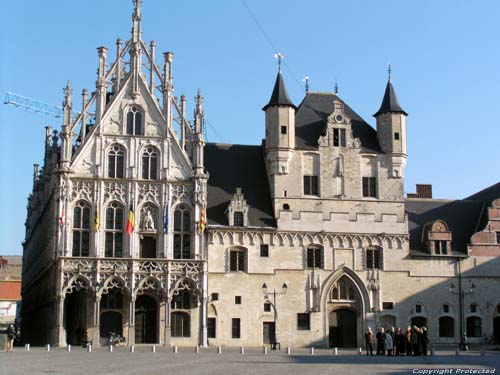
461,297
274,293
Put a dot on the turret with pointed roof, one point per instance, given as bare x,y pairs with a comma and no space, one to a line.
390,103
391,130
280,128
279,97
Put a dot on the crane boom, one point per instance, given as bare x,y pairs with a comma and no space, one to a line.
33,105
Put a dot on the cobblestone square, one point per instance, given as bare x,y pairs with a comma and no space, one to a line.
230,361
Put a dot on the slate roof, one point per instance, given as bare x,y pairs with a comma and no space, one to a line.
486,196
462,217
233,166
312,116
390,101
280,94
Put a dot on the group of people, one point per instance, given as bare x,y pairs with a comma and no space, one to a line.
397,342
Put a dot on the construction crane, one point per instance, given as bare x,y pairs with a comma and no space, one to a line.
38,106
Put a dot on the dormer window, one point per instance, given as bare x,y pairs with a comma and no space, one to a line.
437,237
237,211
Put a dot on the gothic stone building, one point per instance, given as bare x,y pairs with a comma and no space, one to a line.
136,226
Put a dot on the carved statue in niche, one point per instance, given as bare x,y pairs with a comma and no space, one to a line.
147,219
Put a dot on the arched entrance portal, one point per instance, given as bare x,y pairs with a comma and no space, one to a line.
343,329
145,320
419,321
344,306
75,317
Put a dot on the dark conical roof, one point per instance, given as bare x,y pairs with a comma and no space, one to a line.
390,102
279,95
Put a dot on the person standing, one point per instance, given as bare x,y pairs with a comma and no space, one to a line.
399,342
369,341
389,342
380,341
11,333
408,340
425,340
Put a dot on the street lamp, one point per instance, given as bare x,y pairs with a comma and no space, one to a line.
461,297
266,292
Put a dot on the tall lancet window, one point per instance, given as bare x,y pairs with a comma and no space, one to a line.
116,162
182,232
150,163
134,121
81,229
113,243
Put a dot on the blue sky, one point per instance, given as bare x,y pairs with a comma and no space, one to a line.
444,56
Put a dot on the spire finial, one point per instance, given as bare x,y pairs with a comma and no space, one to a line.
67,94
306,80
279,57
389,72
136,19
336,88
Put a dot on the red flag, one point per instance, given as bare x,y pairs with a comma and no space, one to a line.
130,222
202,221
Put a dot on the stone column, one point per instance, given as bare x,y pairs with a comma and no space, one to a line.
60,339
96,335
131,321
166,330
203,317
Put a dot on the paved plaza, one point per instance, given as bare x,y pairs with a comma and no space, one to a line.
143,361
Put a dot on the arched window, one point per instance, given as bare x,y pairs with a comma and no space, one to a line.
473,326
373,258
182,232
150,163
113,244
116,157
343,290
314,257
134,121
180,324
238,219
182,301
237,259
446,326
81,229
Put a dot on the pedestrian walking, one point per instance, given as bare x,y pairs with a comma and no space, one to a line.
11,334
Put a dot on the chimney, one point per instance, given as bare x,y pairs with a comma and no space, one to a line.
424,191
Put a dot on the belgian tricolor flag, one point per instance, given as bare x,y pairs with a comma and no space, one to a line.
130,221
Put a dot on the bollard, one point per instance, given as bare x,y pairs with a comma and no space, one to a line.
433,352
153,349
27,347
132,348
242,350
335,351
89,347
69,348
264,350
457,351
174,349
483,351
197,349
311,350
288,350
219,350
48,347
360,351
111,348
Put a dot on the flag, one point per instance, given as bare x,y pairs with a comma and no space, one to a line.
130,221
96,219
165,223
202,221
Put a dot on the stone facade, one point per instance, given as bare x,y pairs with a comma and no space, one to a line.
136,227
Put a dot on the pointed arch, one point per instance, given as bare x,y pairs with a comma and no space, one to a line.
77,283
112,282
185,283
148,283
